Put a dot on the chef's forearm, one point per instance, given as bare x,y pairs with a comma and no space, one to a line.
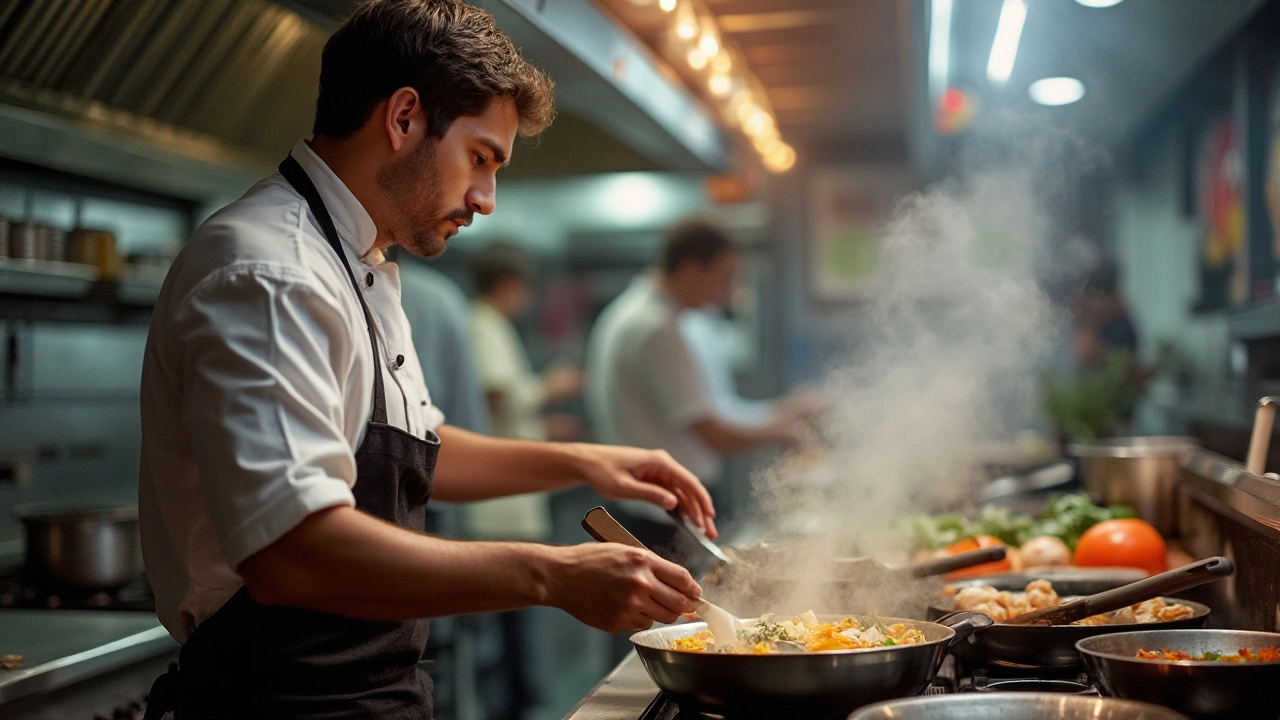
476,467
345,562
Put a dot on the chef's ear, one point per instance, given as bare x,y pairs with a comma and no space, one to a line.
404,110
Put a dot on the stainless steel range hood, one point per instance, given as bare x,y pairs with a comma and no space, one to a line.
197,98
190,97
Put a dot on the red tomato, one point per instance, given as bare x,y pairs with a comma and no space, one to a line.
1128,542
976,543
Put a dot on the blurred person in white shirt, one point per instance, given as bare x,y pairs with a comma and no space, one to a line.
515,393
657,378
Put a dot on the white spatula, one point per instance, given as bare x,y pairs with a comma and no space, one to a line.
604,528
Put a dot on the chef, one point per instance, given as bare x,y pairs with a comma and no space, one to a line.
289,444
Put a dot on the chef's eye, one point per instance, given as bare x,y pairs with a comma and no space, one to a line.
480,160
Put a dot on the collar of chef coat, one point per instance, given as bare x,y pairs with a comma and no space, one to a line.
651,284
354,225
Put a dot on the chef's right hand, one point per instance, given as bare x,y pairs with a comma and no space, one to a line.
614,587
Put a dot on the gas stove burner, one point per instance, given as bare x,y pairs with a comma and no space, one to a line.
663,708
17,592
981,682
1065,687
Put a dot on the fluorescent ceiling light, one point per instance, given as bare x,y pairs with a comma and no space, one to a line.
939,46
1057,90
1098,3
1004,49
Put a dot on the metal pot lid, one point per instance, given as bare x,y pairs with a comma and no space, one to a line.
1134,447
54,511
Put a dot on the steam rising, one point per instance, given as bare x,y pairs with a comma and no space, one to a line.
946,359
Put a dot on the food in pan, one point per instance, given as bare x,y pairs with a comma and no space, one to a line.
1002,605
1268,654
762,636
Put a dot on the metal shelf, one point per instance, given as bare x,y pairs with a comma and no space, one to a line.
1258,321
70,292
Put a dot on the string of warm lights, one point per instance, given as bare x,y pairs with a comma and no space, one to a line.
695,37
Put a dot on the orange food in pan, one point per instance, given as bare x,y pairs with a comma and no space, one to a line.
1269,654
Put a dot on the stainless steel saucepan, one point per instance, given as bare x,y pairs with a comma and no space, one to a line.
86,547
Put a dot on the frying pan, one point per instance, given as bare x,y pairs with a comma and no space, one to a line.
788,685
1015,706
1207,690
1053,647
1067,581
798,685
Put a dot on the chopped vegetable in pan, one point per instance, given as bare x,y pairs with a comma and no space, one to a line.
1269,654
761,636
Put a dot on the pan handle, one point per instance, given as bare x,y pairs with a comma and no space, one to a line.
959,561
1166,583
964,623
604,528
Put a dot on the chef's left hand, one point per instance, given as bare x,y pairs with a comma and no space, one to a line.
625,473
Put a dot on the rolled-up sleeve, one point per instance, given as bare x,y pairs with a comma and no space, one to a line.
674,379
263,405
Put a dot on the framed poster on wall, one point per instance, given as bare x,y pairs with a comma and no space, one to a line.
1220,205
1272,188
847,208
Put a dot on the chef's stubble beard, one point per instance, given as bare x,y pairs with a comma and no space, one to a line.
412,185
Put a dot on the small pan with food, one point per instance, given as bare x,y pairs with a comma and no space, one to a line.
1207,674
1039,630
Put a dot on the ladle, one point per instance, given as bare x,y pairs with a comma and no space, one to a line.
603,527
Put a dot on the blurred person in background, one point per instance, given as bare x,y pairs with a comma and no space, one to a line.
657,376
515,396
440,322
1102,324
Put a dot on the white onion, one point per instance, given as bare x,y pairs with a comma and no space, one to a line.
1045,550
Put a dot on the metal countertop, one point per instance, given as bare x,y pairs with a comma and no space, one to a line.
622,695
61,647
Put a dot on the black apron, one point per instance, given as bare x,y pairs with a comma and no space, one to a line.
254,661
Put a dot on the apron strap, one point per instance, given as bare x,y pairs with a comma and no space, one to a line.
163,697
298,178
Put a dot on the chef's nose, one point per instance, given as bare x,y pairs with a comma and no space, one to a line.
482,196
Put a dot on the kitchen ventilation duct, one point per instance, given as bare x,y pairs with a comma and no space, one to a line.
230,78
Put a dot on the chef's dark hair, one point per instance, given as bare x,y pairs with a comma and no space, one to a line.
693,240
453,54
499,261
